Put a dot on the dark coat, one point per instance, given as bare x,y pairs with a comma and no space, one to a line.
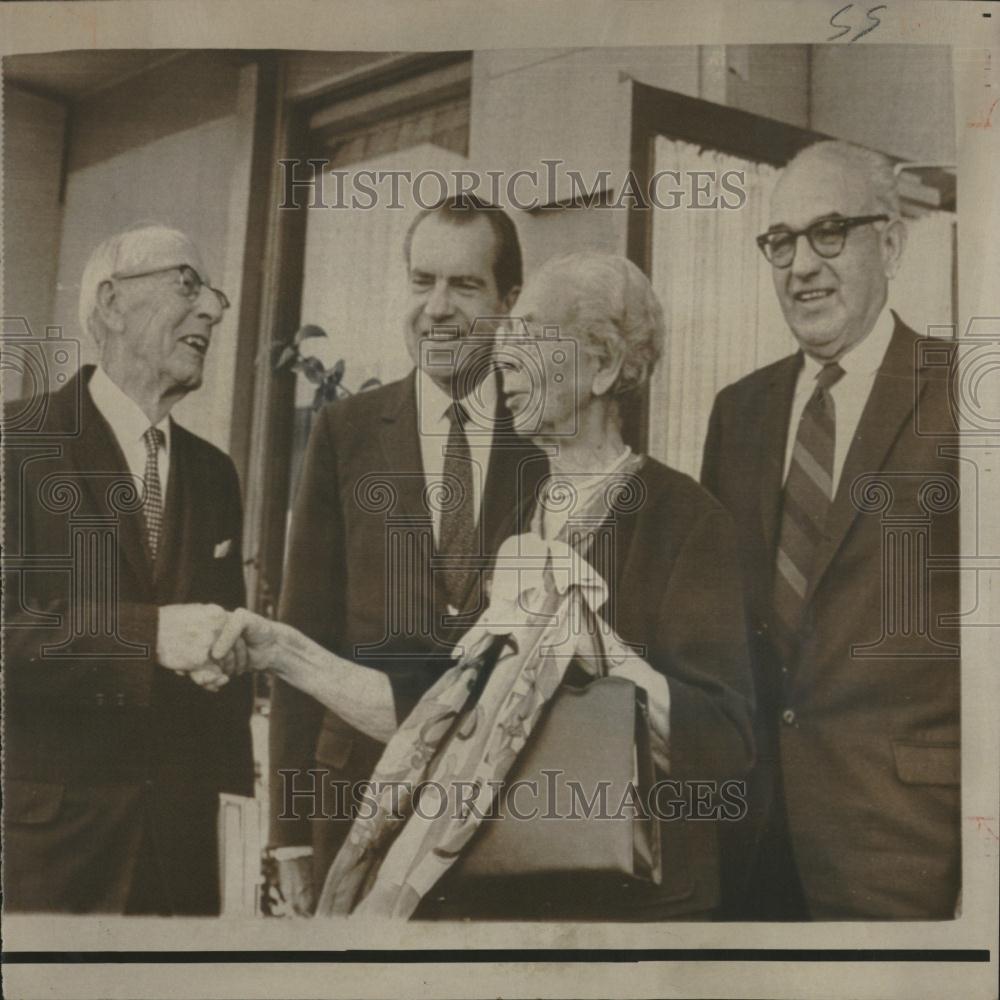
867,739
358,580
108,755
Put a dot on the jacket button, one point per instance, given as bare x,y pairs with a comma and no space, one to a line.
99,698
120,699
788,717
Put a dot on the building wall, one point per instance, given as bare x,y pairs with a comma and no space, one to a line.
770,80
575,104
904,92
34,130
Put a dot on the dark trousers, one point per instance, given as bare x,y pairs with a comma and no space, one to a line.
760,880
114,849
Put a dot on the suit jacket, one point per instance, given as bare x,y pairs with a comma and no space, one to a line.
358,580
864,720
675,596
103,746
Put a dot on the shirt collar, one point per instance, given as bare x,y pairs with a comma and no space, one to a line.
866,356
123,414
434,401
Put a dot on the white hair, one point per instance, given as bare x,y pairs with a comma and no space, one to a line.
874,167
121,253
612,303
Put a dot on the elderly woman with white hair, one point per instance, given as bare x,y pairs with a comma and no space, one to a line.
611,537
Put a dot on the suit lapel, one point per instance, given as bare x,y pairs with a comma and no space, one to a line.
773,439
888,408
97,458
400,443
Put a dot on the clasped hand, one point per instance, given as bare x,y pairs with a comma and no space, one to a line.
210,644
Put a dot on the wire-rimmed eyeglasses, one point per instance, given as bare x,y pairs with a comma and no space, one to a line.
827,238
191,282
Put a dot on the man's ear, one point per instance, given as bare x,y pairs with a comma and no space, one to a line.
893,244
109,307
508,301
610,363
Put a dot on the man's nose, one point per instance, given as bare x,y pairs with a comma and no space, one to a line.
208,306
439,305
806,261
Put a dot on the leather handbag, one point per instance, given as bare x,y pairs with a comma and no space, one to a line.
589,753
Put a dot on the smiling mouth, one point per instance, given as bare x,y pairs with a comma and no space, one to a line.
197,343
812,295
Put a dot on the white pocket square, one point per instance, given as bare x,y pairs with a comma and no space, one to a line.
222,549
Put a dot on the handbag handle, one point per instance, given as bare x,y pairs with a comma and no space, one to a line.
593,622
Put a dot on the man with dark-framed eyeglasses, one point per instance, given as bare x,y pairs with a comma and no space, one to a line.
855,795
120,732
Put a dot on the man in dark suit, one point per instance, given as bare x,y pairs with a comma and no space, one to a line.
845,493
397,484
122,541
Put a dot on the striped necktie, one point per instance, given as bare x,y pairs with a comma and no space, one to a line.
808,495
153,507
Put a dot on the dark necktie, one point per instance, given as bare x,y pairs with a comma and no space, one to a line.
153,506
808,495
456,532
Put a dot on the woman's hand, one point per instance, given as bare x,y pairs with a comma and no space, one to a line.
361,696
253,641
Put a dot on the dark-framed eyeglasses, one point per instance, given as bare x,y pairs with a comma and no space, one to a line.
191,282
827,238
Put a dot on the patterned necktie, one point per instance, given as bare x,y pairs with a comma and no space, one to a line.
808,495
456,534
153,506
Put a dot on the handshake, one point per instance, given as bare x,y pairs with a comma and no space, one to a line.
210,644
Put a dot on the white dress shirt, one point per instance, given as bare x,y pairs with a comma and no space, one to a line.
850,393
434,427
128,424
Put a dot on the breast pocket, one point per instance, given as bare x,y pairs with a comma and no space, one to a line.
922,762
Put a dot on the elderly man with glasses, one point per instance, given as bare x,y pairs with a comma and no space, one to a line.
119,732
831,462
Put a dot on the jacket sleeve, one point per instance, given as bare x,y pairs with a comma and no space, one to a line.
312,596
703,633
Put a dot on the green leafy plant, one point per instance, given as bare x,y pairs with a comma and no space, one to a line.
287,356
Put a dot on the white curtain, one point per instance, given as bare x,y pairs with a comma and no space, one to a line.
722,317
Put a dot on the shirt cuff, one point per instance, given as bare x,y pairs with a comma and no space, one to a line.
291,853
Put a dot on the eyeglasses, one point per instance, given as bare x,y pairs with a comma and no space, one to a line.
190,282
826,237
